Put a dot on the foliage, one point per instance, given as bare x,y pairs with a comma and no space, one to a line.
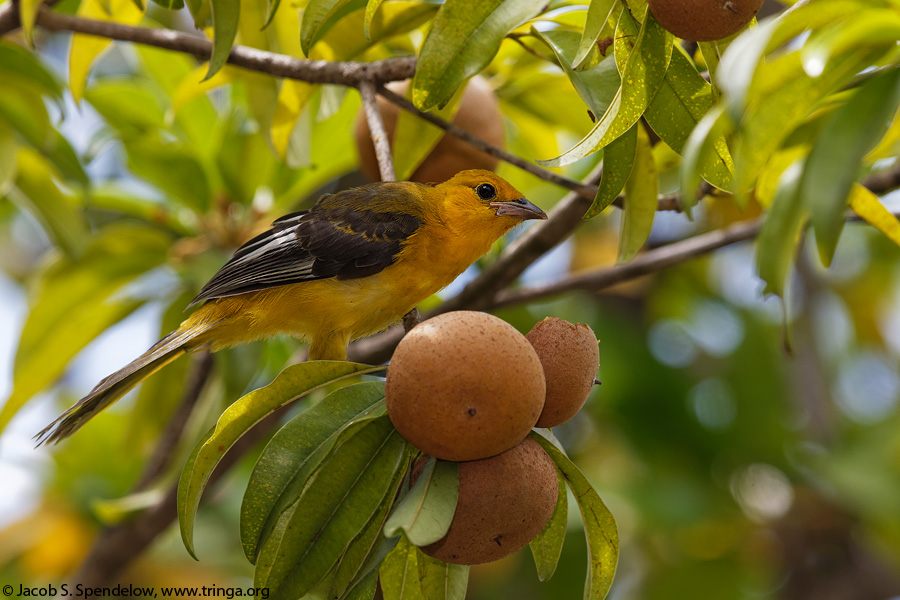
176,161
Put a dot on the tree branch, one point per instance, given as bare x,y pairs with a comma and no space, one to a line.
377,131
648,262
312,71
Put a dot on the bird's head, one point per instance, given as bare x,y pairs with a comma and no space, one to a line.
487,201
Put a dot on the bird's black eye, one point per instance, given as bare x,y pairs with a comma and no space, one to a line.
486,191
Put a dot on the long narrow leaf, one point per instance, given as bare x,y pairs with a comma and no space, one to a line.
547,546
426,512
835,159
599,524
648,54
292,383
641,191
465,36
296,450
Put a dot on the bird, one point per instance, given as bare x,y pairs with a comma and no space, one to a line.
349,267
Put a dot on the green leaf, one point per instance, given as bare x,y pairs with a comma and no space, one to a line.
834,162
740,61
335,506
464,38
201,11
365,589
19,67
225,17
392,19
291,384
170,4
868,28
597,85
296,450
365,553
62,221
440,580
618,162
426,512
75,299
546,548
599,524
701,149
642,73
8,151
399,573
172,167
786,96
129,105
25,112
682,101
321,15
777,240
599,13
372,7
641,191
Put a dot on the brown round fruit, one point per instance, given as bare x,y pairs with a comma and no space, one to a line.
478,113
704,20
464,386
570,357
504,501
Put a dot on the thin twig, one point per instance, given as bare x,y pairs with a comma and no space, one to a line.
9,18
377,131
588,191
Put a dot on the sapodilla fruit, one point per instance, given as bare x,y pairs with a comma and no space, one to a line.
704,20
464,386
570,357
504,502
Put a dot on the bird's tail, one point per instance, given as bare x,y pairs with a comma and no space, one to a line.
118,384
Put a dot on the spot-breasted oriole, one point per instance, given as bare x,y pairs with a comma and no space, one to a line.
351,266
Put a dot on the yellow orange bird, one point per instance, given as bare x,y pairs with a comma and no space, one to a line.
351,266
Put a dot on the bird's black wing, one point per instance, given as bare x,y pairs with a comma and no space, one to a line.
338,238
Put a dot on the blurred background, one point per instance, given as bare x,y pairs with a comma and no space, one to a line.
739,464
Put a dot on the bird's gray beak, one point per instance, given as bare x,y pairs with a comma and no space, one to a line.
521,209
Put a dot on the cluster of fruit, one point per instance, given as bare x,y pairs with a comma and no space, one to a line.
468,387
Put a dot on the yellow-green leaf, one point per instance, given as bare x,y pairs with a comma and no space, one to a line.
225,17
869,207
649,51
291,384
86,48
465,36
641,191
618,162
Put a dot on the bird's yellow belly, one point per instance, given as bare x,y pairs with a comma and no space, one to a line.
330,313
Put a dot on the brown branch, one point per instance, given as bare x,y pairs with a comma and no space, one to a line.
377,131
649,262
9,18
279,65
